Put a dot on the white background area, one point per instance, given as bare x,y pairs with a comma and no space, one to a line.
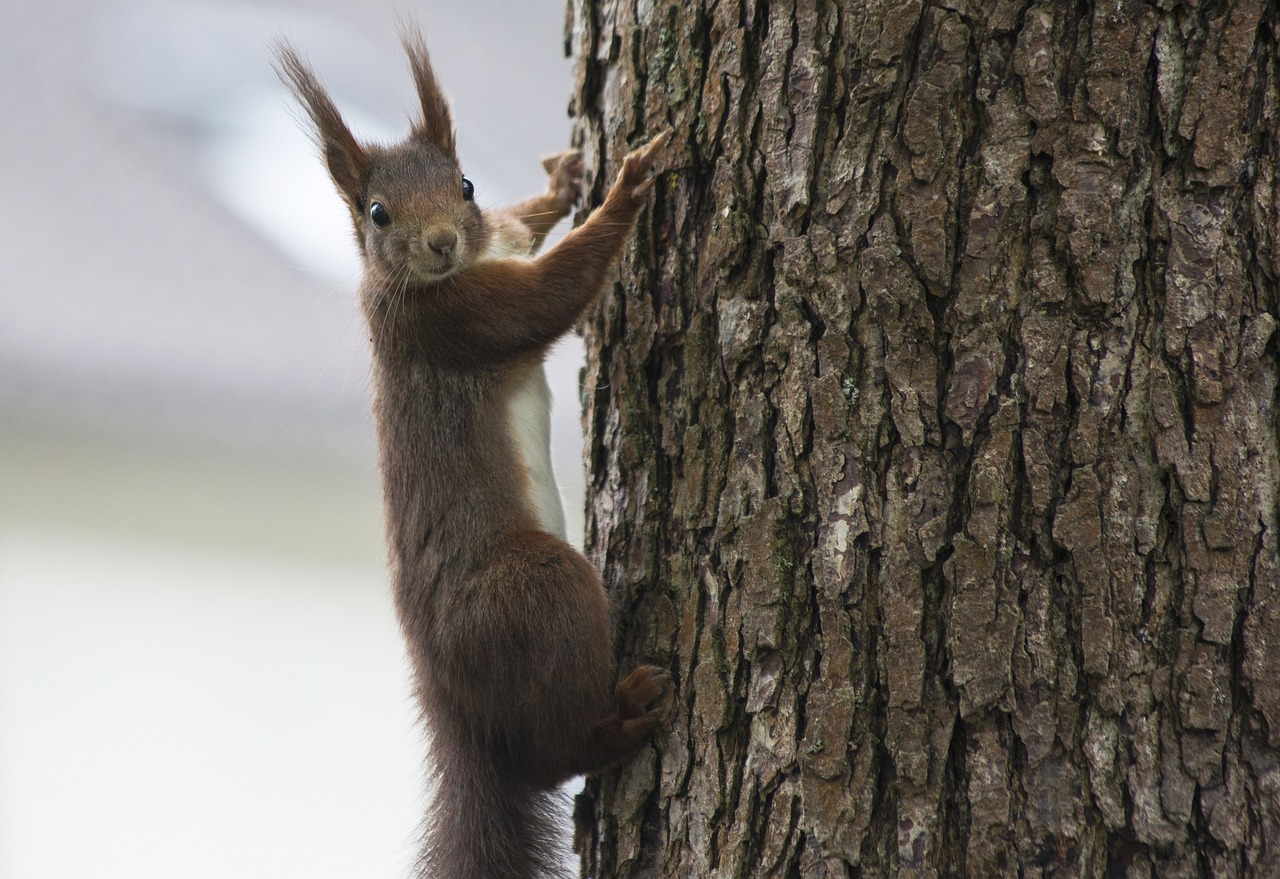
178,714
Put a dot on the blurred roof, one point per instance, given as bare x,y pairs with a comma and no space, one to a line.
172,253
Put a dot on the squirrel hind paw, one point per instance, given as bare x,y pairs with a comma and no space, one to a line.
638,690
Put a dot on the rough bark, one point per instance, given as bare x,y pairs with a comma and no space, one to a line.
933,436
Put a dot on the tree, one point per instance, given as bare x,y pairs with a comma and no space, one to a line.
933,436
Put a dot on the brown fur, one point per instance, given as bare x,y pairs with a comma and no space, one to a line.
508,627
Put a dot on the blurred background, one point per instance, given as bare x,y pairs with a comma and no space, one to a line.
200,673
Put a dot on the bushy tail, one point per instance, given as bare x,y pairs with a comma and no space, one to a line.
487,824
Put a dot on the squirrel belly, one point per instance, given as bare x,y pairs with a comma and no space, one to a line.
529,414
529,409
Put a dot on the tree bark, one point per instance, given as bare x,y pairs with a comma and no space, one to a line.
932,434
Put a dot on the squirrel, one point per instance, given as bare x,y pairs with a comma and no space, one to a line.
508,627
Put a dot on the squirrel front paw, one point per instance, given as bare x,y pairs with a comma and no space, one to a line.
638,165
565,186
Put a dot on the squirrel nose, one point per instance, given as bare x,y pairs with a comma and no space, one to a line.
442,241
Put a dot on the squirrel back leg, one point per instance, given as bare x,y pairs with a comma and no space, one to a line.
526,663
524,666
623,732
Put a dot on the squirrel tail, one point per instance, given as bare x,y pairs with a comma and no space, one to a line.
487,824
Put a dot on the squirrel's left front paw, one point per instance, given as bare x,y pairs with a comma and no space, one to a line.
638,165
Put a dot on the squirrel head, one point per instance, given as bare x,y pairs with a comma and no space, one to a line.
414,214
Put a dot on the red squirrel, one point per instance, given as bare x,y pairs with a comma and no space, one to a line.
508,627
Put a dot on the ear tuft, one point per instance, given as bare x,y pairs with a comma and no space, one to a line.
346,159
436,124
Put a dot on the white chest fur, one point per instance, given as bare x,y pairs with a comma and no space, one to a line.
529,414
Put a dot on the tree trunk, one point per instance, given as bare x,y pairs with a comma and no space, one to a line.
933,436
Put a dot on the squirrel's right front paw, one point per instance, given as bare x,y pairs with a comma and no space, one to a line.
565,170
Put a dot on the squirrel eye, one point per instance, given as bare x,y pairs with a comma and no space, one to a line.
379,215
468,189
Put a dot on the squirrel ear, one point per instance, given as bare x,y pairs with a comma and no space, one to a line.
346,158
436,125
